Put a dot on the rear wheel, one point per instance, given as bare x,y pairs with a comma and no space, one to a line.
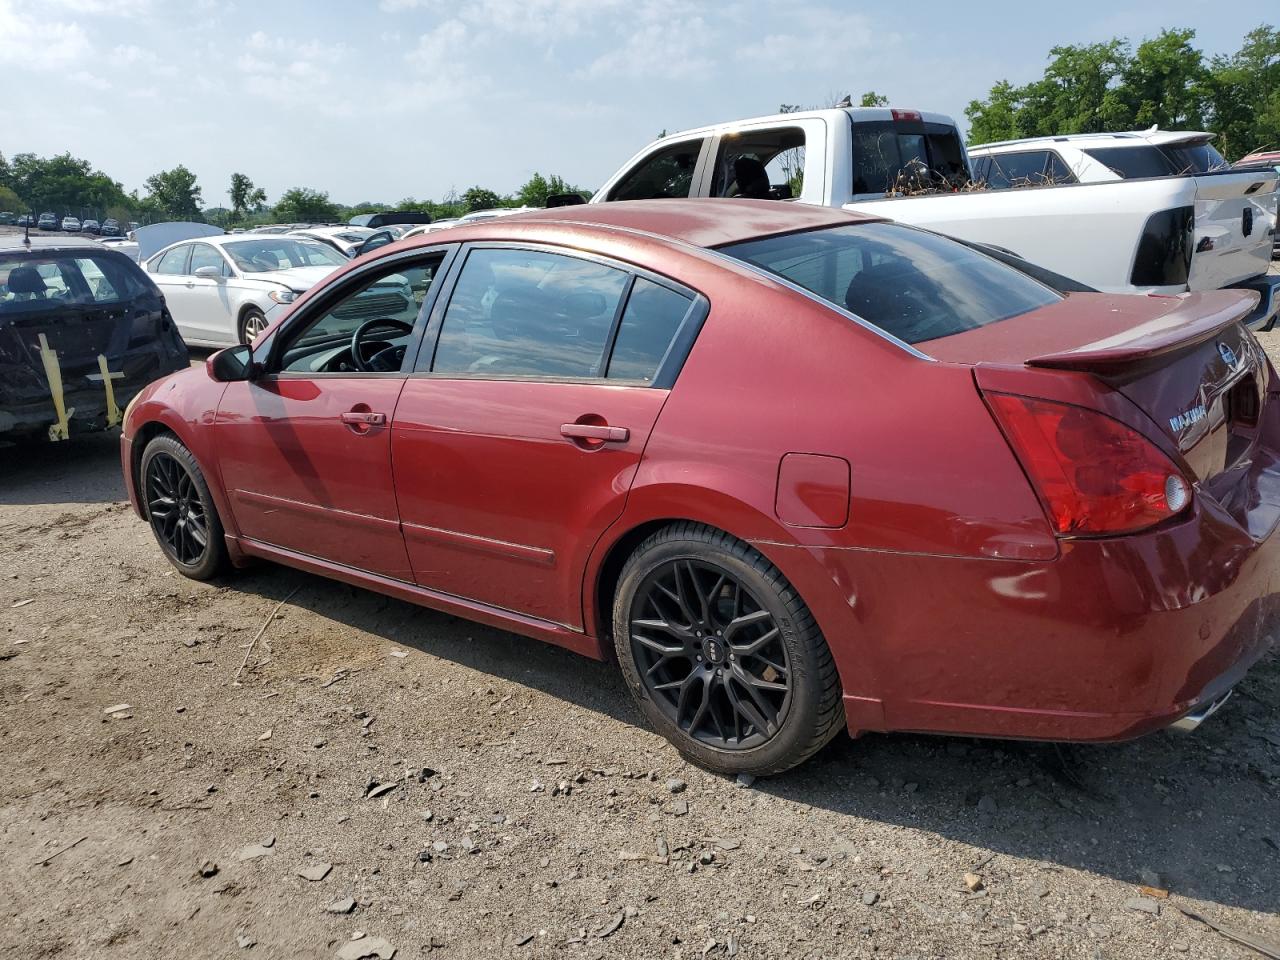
252,322
180,509
722,655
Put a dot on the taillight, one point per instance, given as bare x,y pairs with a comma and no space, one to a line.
1094,475
906,115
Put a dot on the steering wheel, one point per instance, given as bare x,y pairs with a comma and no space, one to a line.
387,360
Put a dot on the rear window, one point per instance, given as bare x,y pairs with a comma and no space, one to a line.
891,156
38,283
914,285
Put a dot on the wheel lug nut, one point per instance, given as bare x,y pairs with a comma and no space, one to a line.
699,659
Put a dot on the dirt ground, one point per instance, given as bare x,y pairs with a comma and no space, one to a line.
476,794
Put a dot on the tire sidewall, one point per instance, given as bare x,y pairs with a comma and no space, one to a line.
249,312
802,720
214,557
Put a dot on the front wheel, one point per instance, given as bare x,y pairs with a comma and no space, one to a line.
181,511
722,655
252,322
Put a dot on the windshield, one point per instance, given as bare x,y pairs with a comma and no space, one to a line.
265,254
914,285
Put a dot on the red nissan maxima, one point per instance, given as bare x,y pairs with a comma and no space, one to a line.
796,469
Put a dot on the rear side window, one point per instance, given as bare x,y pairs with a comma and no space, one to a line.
1023,169
1194,157
768,165
665,174
650,322
1133,163
914,285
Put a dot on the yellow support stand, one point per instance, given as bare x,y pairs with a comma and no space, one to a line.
53,373
113,411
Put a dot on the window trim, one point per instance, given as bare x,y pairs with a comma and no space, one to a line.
186,260
346,285
668,370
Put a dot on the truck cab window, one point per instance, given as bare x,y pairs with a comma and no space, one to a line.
662,175
766,165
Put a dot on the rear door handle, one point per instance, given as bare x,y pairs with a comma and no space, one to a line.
364,419
590,431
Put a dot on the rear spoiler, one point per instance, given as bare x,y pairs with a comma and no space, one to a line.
1196,318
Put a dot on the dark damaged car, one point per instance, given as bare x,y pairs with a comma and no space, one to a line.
82,330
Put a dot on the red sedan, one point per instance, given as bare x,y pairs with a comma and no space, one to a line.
798,470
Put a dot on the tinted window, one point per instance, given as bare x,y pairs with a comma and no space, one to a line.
667,173
1195,158
652,318
529,314
914,285
1133,162
203,255
1026,169
175,261
1059,172
888,155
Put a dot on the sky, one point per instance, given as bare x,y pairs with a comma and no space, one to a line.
385,99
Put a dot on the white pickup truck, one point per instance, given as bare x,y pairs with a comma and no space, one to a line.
1165,234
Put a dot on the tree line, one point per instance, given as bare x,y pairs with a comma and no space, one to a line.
1165,81
69,185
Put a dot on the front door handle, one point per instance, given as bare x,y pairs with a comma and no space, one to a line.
364,419
591,431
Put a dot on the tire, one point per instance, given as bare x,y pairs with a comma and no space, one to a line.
744,603
189,532
252,322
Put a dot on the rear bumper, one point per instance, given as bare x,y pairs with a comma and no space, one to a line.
1264,315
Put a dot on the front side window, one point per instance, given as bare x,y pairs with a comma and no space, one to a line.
914,285
665,174
393,295
524,313
203,255
267,254
174,261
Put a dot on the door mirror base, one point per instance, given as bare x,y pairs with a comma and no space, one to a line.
233,364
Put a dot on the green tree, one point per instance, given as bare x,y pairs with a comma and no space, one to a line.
480,198
535,190
61,184
873,99
11,201
1243,95
244,196
1164,83
174,194
304,205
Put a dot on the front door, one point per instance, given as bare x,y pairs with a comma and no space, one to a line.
516,442
305,449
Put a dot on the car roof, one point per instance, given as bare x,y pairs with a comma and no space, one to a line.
15,243
701,223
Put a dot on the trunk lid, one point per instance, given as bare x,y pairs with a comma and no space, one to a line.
1186,362
1235,216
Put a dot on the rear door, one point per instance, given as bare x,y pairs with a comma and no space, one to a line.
516,440
168,271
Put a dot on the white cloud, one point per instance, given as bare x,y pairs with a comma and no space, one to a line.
115,8
811,45
675,49
39,42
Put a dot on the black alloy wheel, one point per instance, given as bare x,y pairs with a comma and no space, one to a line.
180,509
710,654
722,655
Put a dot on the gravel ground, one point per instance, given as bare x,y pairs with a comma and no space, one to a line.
462,792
